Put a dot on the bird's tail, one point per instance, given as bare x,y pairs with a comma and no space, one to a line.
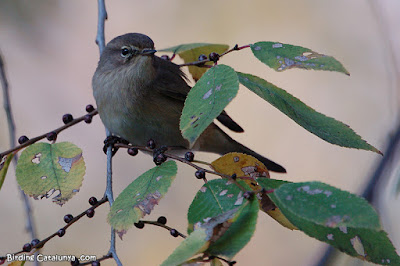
217,141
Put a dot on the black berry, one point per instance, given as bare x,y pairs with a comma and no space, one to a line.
75,262
165,57
214,57
151,144
248,194
160,158
23,139
189,156
88,119
96,263
51,136
67,118
200,174
61,232
93,201
132,151
139,224
234,176
90,213
162,220
68,218
174,233
34,242
27,247
202,57
89,108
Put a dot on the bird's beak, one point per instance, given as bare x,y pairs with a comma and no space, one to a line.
148,52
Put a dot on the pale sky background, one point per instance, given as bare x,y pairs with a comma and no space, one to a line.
50,56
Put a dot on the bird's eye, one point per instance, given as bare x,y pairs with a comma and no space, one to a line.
125,52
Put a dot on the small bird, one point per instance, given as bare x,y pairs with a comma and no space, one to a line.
140,96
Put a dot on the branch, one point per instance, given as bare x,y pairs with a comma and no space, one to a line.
100,41
102,17
174,232
30,223
185,161
57,131
200,63
39,244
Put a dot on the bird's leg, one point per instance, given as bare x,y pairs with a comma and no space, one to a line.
111,141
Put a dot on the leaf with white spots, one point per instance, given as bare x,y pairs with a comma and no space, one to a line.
4,164
214,198
44,169
325,127
230,236
140,197
280,57
337,217
190,53
240,164
220,204
207,99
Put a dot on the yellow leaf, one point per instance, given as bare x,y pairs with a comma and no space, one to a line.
240,164
248,168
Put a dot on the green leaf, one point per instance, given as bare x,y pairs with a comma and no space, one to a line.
44,169
281,56
269,184
220,206
139,197
195,243
240,230
214,198
4,164
338,218
190,53
327,128
206,100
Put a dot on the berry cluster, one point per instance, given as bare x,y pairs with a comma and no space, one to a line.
161,221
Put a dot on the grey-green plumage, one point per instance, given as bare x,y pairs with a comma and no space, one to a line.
140,96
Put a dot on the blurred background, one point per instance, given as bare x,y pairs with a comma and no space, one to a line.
50,55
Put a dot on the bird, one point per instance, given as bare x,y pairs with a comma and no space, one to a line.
140,96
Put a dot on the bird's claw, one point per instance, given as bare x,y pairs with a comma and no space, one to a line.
110,141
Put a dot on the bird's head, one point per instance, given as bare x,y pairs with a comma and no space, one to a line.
132,49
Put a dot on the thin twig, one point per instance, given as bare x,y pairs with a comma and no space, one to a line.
57,130
183,160
75,219
100,41
102,17
163,226
235,48
201,63
30,222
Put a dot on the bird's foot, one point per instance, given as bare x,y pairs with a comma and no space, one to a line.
110,141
